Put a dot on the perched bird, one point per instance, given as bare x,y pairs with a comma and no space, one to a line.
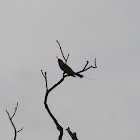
64,67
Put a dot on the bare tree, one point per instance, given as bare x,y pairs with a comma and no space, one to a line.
11,120
48,90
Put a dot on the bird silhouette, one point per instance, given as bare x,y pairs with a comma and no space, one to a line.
64,67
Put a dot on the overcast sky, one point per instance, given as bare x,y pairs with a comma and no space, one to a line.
106,108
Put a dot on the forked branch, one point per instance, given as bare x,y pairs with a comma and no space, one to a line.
58,126
10,118
86,68
66,59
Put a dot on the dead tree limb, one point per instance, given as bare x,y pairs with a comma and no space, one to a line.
58,126
10,118
48,90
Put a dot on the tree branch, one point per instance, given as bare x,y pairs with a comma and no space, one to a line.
58,126
10,118
73,135
48,90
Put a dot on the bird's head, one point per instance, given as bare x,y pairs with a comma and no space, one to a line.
59,61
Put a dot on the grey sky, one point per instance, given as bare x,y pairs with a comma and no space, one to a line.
103,109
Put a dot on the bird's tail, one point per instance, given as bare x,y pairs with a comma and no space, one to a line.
79,75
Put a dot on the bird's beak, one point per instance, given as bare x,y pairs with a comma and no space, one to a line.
57,57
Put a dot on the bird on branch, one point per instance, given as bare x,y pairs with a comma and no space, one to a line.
64,67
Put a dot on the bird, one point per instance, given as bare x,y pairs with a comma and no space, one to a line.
64,67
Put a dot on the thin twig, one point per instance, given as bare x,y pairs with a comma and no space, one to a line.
67,59
19,130
45,76
85,65
61,50
15,111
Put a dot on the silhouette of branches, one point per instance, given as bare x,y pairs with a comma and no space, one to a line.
58,126
10,118
48,90
85,67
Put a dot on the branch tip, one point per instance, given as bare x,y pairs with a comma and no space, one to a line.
20,130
